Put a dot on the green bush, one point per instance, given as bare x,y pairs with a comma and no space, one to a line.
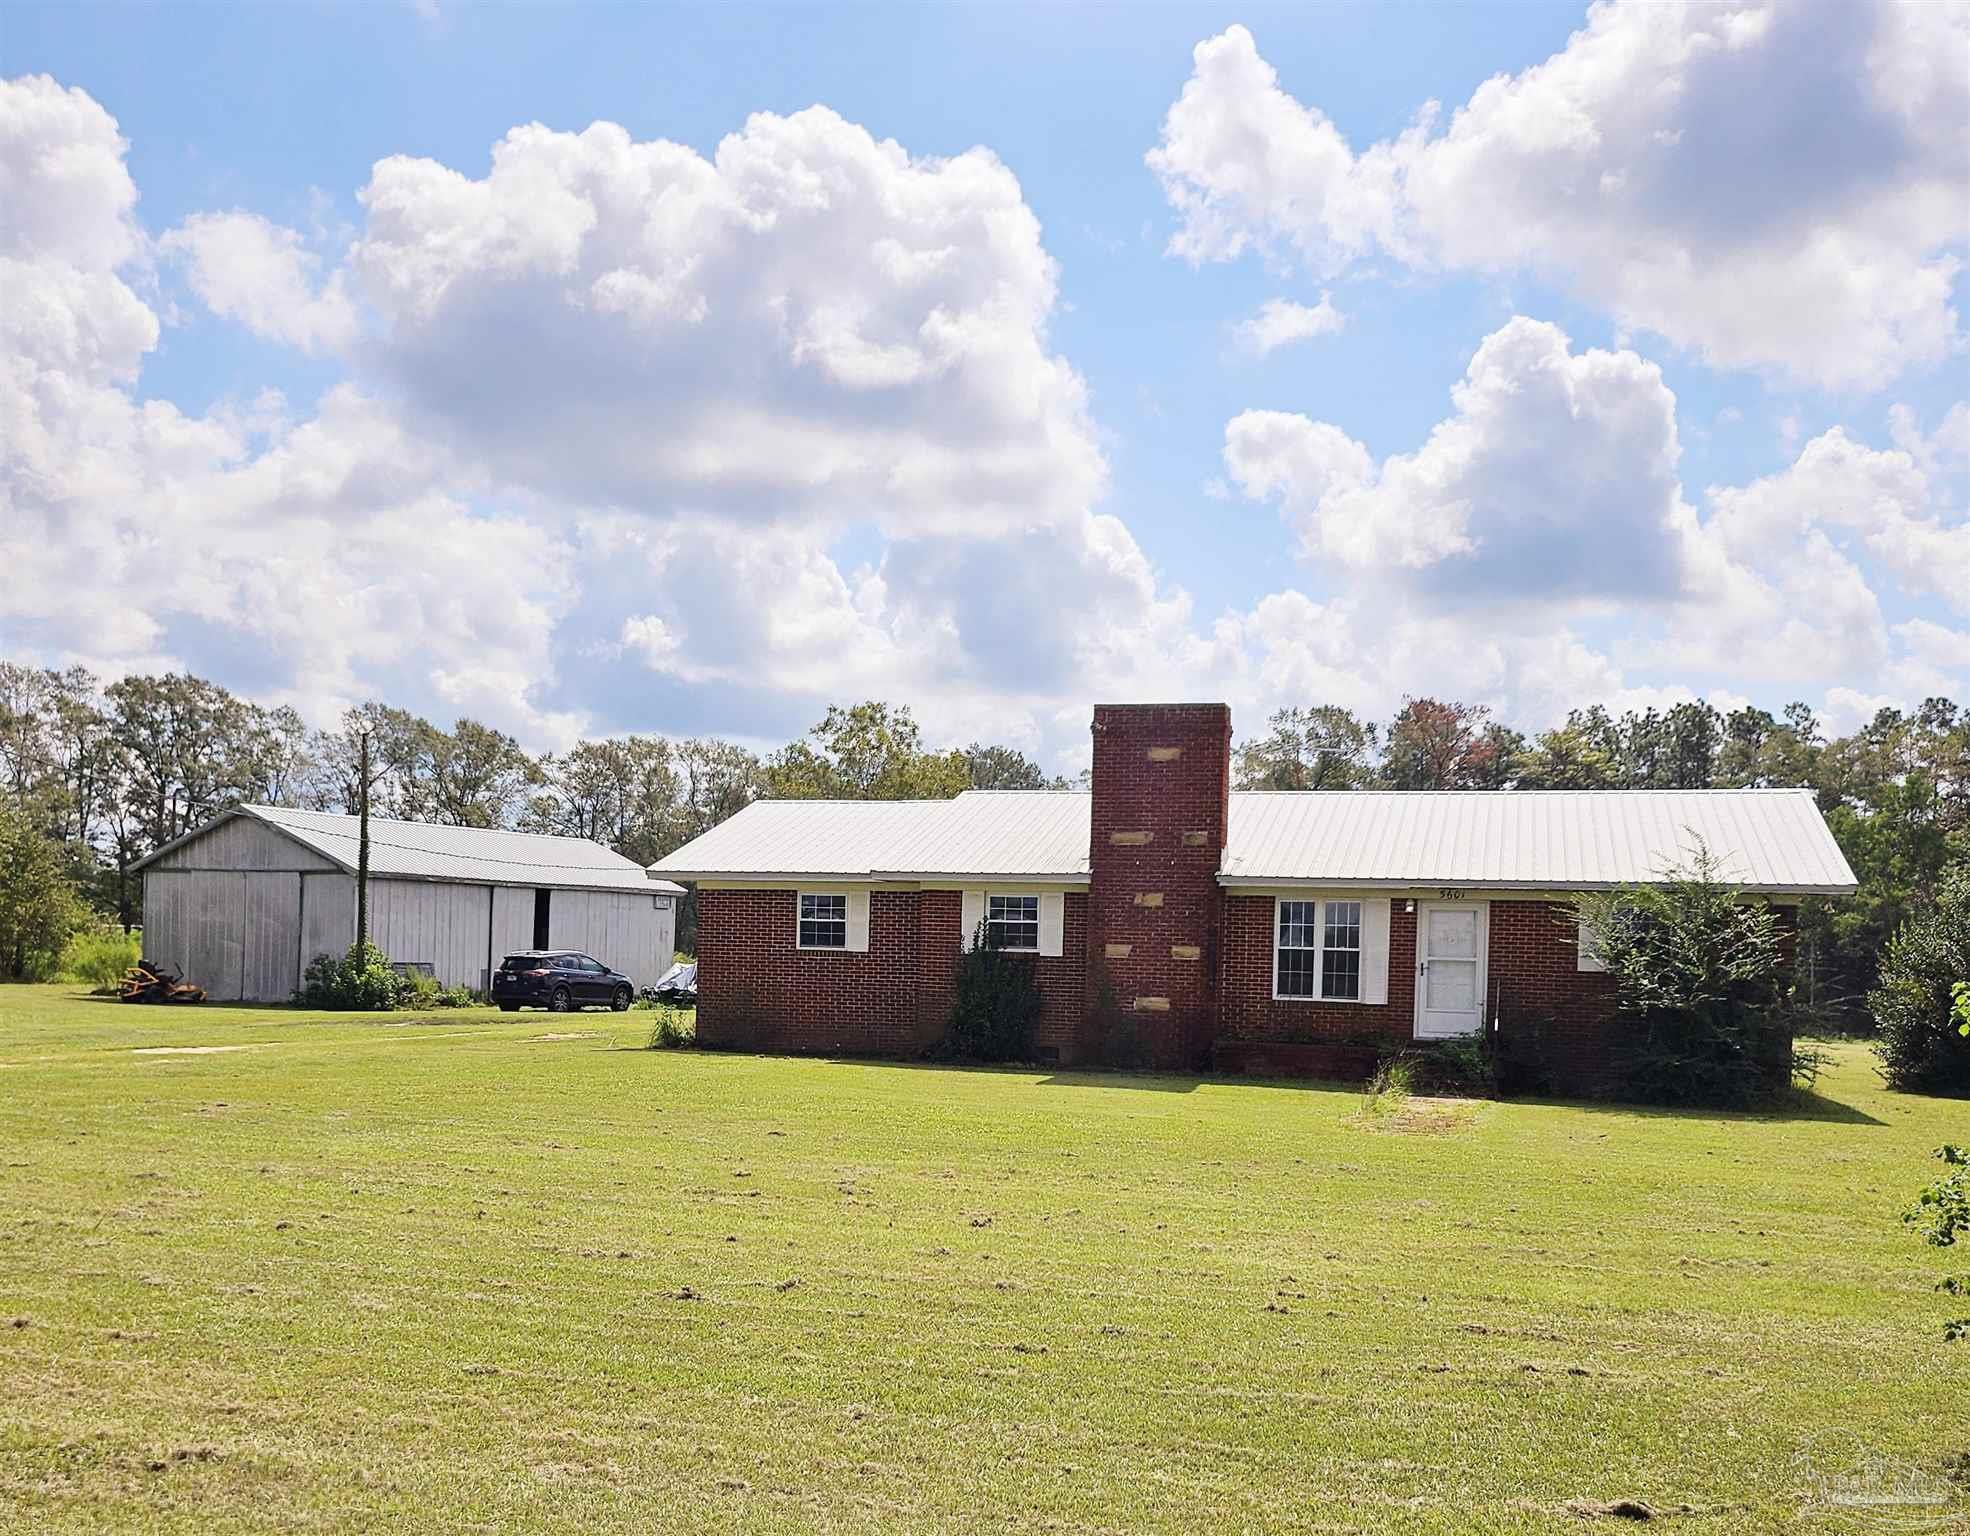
39,904
39,965
1921,1047
670,1031
1463,1066
996,1005
1942,1214
360,982
96,958
1695,968
419,991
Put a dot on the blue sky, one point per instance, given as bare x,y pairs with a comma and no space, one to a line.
1170,510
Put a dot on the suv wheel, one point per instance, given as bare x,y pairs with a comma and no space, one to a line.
620,1002
560,1001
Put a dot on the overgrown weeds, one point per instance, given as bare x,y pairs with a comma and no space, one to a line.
670,1030
1389,1089
96,958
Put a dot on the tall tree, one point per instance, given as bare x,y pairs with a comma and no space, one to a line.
188,747
39,906
25,705
1320,747
279,763
1758,751
718,779
868,751
1571,756
1005,768
1436,745
477,775
400,765
626,792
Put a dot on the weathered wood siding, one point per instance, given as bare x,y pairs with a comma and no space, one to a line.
248,934
446,926
202,923
512,920
630,931
243,843
168,905
328,915
271,936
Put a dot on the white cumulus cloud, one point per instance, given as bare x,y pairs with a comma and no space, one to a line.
1555,475
1774,185
1281,322
249,270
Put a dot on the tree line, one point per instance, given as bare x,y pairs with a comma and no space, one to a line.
96,776
93,777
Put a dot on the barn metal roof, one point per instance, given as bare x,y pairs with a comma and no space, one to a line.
1034,835
1764,839
418,850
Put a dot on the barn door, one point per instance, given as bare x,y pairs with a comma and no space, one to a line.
270,947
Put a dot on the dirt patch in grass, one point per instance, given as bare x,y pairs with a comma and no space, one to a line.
1418,1115
198,1050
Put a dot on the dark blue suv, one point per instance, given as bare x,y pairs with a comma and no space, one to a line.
559,980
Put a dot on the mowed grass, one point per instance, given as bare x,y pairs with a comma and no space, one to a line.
494,1273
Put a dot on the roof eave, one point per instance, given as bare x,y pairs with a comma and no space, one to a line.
875,876
1001,877
227,815
1343,882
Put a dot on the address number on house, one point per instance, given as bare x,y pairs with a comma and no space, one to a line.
1449,893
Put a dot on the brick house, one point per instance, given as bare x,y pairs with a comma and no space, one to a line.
1284,933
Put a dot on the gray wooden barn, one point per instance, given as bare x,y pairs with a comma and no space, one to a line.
243,903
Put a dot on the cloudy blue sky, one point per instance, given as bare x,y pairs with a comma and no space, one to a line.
588,369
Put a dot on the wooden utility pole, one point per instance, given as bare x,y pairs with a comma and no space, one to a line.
362,842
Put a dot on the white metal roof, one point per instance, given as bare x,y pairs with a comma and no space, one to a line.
1036,835
418,850
1771,840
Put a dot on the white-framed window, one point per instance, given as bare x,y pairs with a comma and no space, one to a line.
1296,950
1013,923
1340,951
823,920
1317,949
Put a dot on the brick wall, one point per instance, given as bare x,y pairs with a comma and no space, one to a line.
1162,785
1248,1011
1060,976
1537,981
759,992
1531,970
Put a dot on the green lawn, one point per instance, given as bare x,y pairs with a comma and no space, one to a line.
273,1271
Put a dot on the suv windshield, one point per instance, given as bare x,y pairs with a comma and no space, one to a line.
526,962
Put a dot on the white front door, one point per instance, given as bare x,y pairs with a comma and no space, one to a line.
1450,945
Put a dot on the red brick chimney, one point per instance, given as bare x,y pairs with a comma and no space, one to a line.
1162,794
